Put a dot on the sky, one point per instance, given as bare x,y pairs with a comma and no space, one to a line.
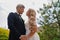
7,6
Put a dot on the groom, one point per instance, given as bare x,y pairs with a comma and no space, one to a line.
16,23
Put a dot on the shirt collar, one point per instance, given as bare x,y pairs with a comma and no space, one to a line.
19,14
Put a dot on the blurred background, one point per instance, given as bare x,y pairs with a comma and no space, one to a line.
48,17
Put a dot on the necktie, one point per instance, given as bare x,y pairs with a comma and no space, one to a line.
21,18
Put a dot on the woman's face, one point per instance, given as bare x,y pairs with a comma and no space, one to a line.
31,13
28,14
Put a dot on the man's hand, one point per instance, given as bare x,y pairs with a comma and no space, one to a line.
23,37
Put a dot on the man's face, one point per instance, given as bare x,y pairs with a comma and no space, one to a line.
20,10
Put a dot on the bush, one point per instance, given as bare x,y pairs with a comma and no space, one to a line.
4,34
49,33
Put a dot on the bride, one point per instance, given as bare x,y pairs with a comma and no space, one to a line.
31,27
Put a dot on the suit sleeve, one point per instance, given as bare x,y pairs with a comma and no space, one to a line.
11,24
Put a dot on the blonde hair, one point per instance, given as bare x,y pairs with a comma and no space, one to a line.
31,12
32,16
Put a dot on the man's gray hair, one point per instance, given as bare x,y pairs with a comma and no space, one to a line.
20,6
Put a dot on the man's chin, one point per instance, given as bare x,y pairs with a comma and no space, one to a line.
21,13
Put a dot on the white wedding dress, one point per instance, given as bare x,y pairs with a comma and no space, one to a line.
35,36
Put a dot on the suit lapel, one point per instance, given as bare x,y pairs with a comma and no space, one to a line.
20,18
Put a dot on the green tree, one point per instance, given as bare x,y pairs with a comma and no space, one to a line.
50,21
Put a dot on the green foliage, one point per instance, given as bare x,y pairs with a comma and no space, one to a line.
49,33
50,13
4,34
50,22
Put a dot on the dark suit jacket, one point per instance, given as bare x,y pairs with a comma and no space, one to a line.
16,26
